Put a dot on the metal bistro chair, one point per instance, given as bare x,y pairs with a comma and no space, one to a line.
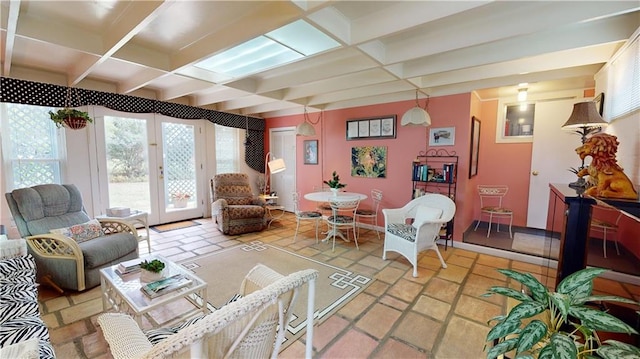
605,220
491,205
304,215
343,215
370,214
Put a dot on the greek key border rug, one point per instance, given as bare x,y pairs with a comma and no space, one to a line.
224,270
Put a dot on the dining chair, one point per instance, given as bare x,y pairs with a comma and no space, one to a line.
343,215
491,197
602,221
304,215
370,214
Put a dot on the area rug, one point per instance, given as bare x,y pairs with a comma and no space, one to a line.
175,225
224,270
535,244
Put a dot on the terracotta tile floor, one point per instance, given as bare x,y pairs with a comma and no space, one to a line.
437,315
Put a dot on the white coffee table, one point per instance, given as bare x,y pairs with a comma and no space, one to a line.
123,293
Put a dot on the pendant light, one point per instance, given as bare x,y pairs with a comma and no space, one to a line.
306,127
417,116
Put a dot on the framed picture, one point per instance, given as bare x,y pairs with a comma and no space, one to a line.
369,161
442,136
475,146
311,152
375,127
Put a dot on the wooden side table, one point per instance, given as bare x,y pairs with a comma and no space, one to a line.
136,218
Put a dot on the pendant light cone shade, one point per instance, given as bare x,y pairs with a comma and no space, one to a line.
305,129
416,116
585,114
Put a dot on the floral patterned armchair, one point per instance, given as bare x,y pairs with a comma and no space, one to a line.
234,207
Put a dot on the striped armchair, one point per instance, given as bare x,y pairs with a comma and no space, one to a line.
234,207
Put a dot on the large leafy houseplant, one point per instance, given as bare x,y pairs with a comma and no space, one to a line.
571,320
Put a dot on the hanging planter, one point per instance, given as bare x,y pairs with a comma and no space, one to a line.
71,118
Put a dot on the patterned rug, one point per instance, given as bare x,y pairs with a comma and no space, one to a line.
224,270
175,225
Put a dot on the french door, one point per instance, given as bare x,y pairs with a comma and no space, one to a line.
282,143
150,163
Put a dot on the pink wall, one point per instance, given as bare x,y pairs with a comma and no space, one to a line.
335,151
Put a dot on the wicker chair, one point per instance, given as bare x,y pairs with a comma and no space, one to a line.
63,261
251,327
234,207
429,213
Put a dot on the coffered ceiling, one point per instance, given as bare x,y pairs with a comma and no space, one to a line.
386,49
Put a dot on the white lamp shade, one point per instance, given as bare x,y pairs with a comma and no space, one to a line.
277,165
416,116
305,129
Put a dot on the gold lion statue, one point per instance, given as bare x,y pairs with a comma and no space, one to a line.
606,175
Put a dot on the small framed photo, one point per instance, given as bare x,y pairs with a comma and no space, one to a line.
311,152
372,128
442,136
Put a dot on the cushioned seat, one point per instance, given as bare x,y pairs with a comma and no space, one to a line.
234,207
69,247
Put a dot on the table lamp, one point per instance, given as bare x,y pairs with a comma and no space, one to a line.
584,120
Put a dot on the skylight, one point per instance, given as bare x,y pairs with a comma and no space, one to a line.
284,45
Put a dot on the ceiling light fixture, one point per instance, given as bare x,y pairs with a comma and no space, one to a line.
522,95
584,120
306,127
417,116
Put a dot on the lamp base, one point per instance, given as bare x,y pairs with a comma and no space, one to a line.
580,183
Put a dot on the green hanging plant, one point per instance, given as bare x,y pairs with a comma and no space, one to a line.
70,117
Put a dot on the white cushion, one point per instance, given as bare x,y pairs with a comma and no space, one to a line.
27,349
425,213
81,232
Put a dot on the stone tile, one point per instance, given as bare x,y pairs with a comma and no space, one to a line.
353,345
429,260
67,350
341,262
608,286
526,267
476,309
373,262
50,320
395,349
389,275
432,307
476,285
424,275
492,261
81,311
489,272
86,295
55,304
327,331
94,344
377,288
442,289
453,273
405,290
359,304
394,302
465,253
294,351
68,332
371,322
460,261
418,330
460,330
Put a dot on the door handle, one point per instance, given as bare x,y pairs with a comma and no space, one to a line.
535,173
161,172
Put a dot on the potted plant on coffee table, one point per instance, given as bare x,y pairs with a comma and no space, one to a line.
70,117
561,324
151,271
334,183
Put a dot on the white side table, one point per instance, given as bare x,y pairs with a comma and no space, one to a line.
136,218
272,205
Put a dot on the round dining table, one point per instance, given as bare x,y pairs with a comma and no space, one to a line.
325,196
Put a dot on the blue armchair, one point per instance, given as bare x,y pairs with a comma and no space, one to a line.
71,256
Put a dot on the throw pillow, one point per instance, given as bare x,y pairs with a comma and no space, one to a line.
425,213
81,232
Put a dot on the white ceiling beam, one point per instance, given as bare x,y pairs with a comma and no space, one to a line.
366,77
364,91
218,96
10,37
185,89
246,101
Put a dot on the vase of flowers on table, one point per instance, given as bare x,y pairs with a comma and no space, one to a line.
180,199
334,183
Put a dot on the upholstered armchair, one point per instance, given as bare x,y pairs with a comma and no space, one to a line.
234,207
69,247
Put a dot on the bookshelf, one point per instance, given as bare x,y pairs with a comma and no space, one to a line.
436,171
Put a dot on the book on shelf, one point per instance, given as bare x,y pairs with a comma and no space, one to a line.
129,266
165,285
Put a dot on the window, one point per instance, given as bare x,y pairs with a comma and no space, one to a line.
33,148
515,122
624,81
227,154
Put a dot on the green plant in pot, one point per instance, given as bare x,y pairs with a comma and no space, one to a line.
571,319
151,270
334,182
70,117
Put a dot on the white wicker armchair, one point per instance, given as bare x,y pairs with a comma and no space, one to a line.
251,327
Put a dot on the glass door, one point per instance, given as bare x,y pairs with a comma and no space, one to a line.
150,163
